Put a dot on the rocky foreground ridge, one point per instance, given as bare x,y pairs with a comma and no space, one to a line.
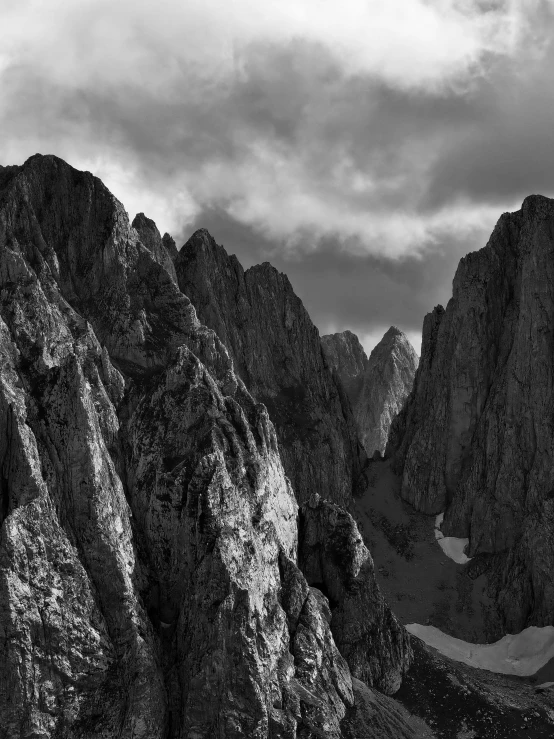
476,437
376,387
156,578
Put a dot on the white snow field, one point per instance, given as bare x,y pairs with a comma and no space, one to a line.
452,547
520,654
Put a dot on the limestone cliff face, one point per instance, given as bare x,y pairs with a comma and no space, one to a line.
376,387
347,357
476,436
333,557
163,249
277,352
149,579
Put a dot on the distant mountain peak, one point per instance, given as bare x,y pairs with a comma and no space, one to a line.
377,387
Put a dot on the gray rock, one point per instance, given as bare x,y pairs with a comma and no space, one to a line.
374,716
148,539
476,437
163,249
334,559
376,387
347,357
277,352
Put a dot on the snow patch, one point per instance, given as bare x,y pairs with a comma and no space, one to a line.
452,547
520,654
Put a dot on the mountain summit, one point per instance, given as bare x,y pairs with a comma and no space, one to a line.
377,387
476,438
178,554
150,546
276,351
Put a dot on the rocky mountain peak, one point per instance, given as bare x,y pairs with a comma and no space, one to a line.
163,249
376,387
392,333
277,352
201,239
347,357
395,340
169,243
474,439
149,537
537,206
158,577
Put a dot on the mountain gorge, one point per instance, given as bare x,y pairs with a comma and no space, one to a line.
181,463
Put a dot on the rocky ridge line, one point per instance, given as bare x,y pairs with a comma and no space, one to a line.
277,352
149,584
475,438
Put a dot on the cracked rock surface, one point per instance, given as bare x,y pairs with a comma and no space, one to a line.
476,438
149,569
333,556
277,352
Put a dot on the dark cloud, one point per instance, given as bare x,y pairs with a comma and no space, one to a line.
509,153
295,100
341,290
366,191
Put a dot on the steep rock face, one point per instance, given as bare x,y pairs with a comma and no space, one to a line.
148,540
476,436
277,352
162,248
76,642
333,557
376,387
347,357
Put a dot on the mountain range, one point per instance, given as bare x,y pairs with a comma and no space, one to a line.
193,483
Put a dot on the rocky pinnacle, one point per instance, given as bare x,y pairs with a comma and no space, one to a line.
376,387
277,352
476,437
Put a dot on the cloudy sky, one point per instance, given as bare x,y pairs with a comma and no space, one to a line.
361,146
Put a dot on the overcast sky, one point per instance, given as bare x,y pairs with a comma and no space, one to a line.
361,146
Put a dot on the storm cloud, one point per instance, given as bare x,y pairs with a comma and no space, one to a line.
361,147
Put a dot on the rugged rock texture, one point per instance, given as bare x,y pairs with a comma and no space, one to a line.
277,352
163,249
333,556
149,584
347,357
376,387
476,437
374,716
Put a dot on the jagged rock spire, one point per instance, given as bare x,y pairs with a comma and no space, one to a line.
377,387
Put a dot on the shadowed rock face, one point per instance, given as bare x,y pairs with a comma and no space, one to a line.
347,357
163,249
476,437
149,584
277,352
333,556
376,387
